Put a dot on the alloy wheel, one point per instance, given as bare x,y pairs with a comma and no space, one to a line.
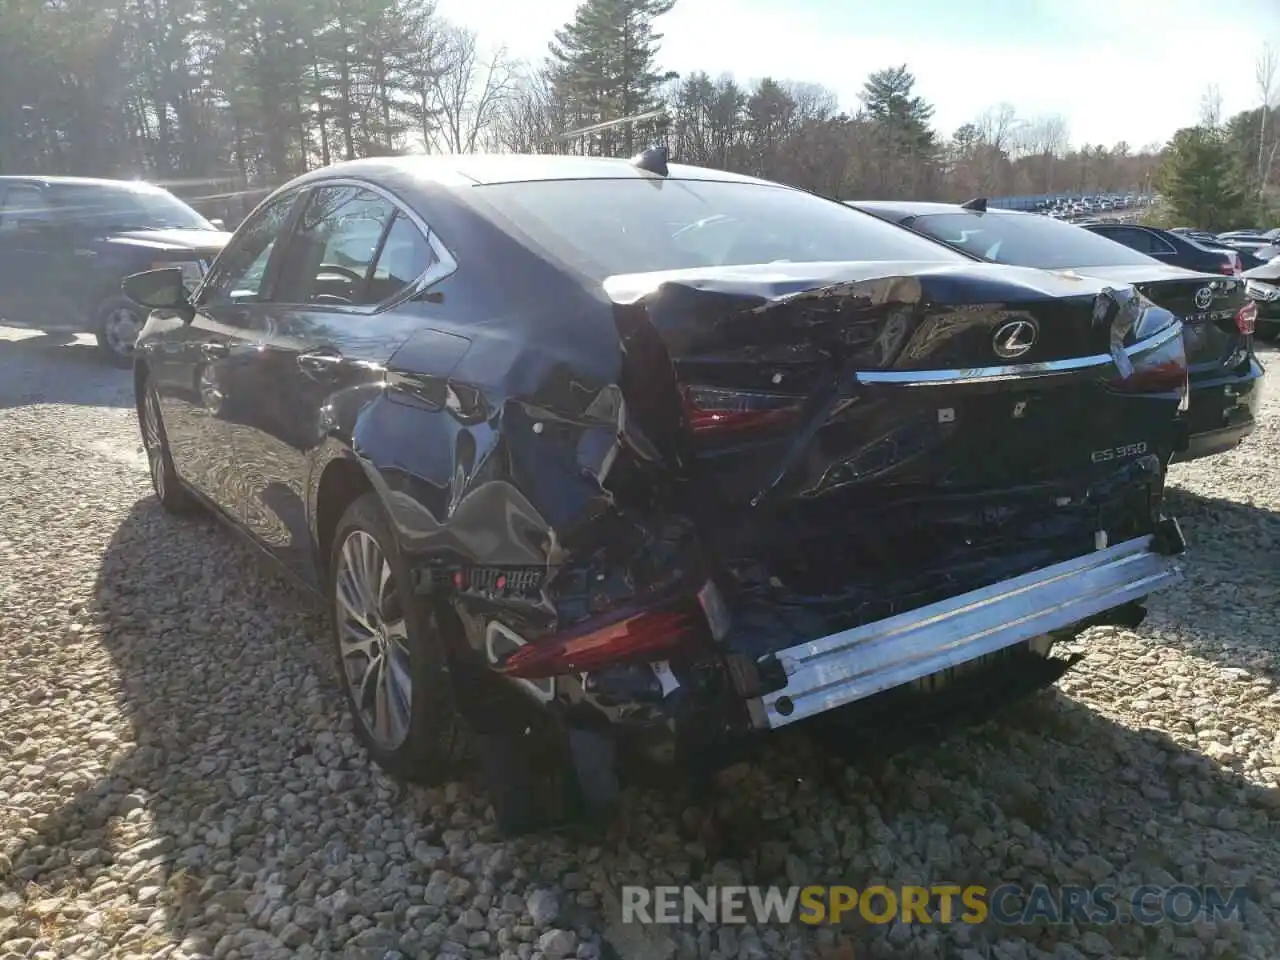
120,329
153,441
373,640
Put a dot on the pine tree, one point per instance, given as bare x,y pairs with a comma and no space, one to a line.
1200,181
603,67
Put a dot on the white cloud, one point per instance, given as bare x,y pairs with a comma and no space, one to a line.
1130,70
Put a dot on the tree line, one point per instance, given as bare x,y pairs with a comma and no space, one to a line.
201,93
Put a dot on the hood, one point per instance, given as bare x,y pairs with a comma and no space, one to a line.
1269,271
172,240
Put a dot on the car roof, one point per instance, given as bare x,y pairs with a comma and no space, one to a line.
465,170
78,181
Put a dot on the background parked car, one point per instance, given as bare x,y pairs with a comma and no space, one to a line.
1263,287
66,243
1218,317
1172,248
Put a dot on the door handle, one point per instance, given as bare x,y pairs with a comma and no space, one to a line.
320,365
214,350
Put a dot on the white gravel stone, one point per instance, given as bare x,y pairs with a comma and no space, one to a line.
178,777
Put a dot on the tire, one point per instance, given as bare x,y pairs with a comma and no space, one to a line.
173,496
419,736
113,330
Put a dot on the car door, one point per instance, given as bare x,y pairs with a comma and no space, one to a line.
321,342
197,368
27,245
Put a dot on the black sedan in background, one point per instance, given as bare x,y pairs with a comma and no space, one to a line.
67,242
1173,249
594,458
1217,315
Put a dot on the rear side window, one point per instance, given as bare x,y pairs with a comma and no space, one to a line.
1144,241
124,207
19,203
612,226
1026,240
351,247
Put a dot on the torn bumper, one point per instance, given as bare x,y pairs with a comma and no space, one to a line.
855,664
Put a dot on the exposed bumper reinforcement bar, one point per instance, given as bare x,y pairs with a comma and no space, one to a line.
858,663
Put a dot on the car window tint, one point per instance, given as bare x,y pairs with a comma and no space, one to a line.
1026,240
334,247
608,227
240,270
1141,240
23,202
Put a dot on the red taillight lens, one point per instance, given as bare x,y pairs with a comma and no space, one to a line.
602,642
712,411
1162,369
1233,267
1247,318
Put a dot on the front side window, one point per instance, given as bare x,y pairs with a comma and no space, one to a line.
613,226
23,205
239,273
1026,240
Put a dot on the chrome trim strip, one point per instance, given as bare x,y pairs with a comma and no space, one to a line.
1018,371
858,663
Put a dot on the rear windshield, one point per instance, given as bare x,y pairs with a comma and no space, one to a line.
608,227
125,207
1027,240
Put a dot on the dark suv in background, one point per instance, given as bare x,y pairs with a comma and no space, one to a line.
66,243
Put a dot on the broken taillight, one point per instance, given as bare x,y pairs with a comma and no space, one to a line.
714,411
614,638
1247,318
1162,369
1232,267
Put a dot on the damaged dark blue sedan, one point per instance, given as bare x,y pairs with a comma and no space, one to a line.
599,460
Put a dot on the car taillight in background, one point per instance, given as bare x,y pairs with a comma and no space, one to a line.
1232,267
1246,318
713,411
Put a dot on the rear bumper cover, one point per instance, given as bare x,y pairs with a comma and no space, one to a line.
1222,411
855,664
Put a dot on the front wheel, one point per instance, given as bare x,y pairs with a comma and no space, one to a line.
392,657
164,478
117,323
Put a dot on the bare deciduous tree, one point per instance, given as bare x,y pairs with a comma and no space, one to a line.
467,92
1265,75
1211,108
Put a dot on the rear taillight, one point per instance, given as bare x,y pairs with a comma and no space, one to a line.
1247,318
713,411
1232,267
651,634
1162,369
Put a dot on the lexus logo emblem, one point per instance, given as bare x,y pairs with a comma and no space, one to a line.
1013,339
1204,297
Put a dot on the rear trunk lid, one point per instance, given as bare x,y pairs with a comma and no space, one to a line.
857,439
1207,305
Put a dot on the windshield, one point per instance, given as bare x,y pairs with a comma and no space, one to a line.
1026,240
608,227
125,207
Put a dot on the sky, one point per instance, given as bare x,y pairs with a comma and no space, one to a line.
1132,70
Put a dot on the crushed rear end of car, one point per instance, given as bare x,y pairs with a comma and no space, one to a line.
850,489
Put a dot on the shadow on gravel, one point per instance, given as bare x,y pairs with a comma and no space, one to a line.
1232,569
242,805
59,368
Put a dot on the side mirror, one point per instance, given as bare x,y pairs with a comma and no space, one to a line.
161,289
218,222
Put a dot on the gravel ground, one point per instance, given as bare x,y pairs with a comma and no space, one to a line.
178,777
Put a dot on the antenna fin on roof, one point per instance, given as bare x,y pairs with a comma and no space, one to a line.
977,204
653,160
